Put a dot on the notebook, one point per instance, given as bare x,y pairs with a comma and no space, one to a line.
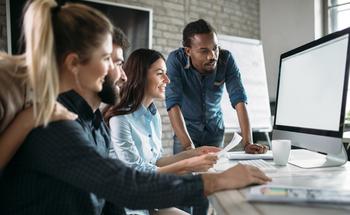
273,193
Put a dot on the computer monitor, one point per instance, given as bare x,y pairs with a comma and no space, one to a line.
311,100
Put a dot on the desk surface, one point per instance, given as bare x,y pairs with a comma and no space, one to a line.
234,201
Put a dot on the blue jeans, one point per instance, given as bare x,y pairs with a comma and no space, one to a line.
200,139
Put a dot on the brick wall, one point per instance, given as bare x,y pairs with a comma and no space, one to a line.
231,17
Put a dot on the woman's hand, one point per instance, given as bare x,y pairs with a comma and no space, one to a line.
62,113
201,163
204,150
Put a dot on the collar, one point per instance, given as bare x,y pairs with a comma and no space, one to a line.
187,61
142,110
77,104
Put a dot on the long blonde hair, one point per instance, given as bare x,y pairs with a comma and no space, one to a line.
51,32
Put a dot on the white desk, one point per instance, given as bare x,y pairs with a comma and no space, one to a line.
234,202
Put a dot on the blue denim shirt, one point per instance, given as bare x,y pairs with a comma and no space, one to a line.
199,95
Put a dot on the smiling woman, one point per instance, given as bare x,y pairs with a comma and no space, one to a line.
91,75
31,82
136,125
156,82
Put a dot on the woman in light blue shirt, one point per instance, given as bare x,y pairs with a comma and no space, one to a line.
136,128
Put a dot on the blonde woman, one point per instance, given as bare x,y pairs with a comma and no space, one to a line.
29,86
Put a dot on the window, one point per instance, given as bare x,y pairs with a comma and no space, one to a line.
338,15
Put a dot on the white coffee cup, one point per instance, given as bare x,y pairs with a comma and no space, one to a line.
281,151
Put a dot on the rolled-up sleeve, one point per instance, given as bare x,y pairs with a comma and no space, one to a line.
174,90
234,84
124,145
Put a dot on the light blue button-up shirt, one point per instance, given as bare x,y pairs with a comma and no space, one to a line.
136,138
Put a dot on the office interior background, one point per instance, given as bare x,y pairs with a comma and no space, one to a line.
281,25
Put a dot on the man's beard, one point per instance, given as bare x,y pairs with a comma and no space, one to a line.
110,92
211,70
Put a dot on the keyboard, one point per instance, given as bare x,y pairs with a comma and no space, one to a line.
242,155
261,164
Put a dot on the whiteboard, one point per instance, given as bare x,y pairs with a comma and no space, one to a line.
249,57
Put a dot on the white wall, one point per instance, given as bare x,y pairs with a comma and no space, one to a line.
284,25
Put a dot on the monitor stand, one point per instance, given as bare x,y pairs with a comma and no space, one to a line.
309,159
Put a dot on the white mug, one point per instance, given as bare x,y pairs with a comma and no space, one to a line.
281,151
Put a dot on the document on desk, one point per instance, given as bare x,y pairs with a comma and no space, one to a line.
242,155
236,139
293,194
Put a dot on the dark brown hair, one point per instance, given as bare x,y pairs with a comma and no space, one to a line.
133,91
197,27
120,39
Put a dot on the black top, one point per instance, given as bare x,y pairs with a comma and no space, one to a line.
64,169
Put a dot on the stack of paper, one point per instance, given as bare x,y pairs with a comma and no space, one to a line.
271,193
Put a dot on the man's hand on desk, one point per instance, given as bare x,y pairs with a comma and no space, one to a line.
236,177
255,148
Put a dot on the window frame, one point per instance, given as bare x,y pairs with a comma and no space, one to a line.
329,18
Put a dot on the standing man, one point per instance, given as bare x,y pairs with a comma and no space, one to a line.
197,75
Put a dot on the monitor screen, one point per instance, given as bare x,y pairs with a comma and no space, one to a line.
311,94
311,87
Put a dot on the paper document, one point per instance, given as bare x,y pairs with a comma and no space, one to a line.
242,155
236,139
271,193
